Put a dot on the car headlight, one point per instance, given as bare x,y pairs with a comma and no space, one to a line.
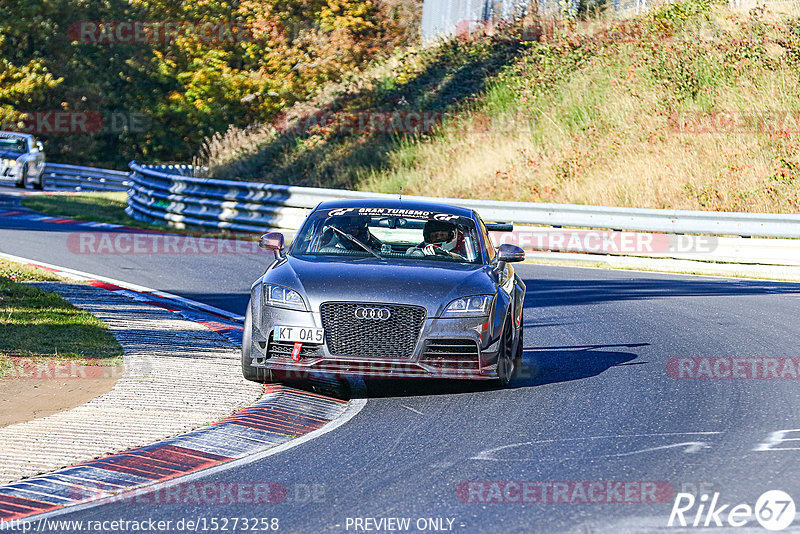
282,297
469,306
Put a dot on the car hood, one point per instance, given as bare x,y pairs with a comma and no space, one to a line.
10,155
427,283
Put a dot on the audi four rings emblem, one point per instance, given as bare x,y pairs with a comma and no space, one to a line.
375,314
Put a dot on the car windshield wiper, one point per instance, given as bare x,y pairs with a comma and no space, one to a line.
356,241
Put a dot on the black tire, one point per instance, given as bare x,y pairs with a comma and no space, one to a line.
518,354
23,177
254,374
39,186
505,359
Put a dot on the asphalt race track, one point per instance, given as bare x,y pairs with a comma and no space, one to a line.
595,417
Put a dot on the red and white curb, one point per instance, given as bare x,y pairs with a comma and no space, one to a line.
280,418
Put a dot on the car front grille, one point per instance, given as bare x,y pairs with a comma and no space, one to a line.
451,354
394,337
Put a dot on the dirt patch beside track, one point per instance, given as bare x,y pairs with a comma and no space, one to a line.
25,399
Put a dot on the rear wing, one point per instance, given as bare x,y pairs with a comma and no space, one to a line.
500,227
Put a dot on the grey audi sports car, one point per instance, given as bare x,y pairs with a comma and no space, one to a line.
386,288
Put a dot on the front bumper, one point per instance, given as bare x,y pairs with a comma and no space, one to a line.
433,357
375,368
12,170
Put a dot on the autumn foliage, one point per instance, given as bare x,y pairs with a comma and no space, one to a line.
160,98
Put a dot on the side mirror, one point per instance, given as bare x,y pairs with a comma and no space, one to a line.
272,241
39,146
510,253
500,227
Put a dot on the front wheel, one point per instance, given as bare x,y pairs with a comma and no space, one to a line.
505,359
518,354
23,177
254,374
39,184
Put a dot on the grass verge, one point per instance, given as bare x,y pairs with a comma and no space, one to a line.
39,327
690,106
97,207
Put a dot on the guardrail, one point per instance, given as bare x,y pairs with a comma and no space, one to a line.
63,177
170,193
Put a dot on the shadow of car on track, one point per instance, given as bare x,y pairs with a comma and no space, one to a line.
540,365
549,365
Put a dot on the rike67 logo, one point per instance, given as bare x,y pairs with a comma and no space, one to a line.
774,510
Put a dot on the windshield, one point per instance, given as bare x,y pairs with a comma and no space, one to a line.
389,234
11,144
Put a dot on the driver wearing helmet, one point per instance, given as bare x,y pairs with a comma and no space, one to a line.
356,226
440,237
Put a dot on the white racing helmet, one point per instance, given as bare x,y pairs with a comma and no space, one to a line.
442,234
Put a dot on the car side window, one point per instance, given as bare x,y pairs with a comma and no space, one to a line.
487,240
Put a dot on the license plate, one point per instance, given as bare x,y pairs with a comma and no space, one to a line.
298,334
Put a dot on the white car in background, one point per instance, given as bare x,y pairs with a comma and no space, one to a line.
21,159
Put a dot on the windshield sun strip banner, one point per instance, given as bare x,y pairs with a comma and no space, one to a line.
395,212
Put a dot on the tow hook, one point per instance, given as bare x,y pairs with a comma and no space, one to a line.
296,352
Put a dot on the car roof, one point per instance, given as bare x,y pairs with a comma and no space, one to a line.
16,135
393,204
